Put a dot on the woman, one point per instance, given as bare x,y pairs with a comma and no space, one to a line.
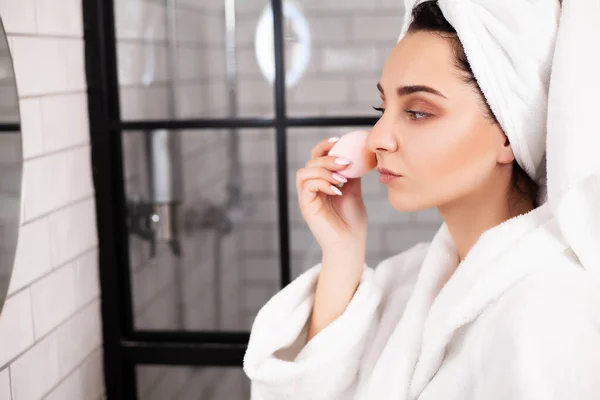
498,305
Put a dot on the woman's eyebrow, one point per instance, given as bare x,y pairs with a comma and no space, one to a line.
406,90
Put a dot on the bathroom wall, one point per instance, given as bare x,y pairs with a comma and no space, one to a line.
50,327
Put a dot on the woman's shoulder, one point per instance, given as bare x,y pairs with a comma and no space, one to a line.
562,281
546,329
562,295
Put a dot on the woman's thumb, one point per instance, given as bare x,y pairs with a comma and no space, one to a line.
353,187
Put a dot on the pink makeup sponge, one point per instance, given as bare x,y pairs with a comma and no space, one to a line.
351,146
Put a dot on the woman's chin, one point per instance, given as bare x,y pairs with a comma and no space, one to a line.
404,203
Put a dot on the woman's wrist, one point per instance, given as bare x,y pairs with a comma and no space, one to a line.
339,278
351,244
348,256
343,249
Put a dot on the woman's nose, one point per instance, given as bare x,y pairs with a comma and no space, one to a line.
381,139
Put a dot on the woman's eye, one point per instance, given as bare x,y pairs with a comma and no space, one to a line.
416,115
380,109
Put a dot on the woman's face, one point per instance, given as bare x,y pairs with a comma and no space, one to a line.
433,130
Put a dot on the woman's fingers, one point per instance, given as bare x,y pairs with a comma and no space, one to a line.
320,173
323,147
313,187
329,162
308,173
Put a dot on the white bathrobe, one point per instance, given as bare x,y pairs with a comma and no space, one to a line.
519,318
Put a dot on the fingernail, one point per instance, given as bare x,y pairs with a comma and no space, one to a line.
339,178
341,161
333,139
336,190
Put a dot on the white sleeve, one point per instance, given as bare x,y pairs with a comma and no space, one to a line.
282,367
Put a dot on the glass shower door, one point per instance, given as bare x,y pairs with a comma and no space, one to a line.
207,226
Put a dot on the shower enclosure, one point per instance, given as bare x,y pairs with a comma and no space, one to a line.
200,112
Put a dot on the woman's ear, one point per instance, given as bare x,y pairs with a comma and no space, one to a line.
505,153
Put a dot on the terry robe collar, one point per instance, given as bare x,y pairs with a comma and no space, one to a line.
448,295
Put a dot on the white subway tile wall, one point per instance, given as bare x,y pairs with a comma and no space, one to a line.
56,17
78,337
65,122
84,383
73,231
31,122
57,289
36,372
4,385
60,74
16,326
18,19
52,318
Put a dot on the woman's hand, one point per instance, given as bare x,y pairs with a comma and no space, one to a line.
336,217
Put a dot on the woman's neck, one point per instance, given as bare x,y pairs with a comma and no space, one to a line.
468,218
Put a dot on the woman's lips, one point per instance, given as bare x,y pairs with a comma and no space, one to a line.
386,176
